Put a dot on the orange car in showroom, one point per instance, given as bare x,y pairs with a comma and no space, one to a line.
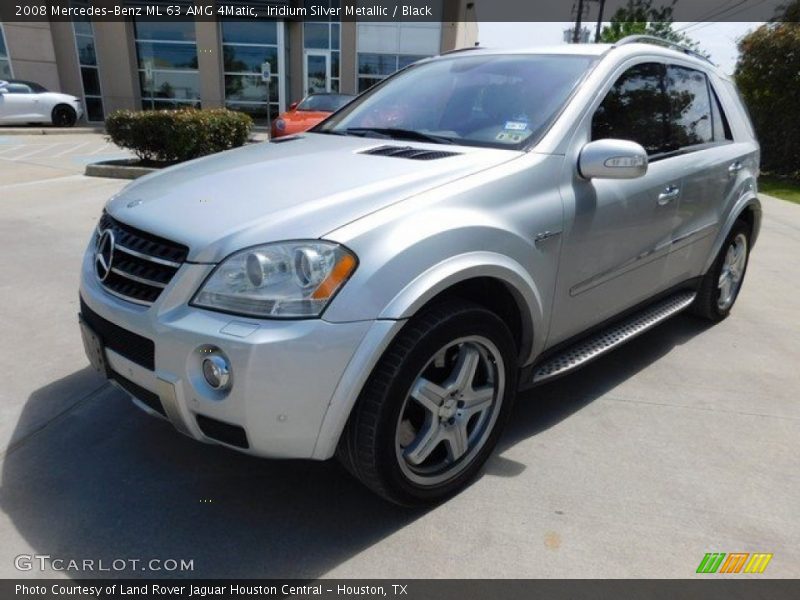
303,115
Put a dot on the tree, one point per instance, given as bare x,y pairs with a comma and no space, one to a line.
640,17
768,77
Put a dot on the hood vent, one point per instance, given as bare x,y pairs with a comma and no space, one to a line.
409,152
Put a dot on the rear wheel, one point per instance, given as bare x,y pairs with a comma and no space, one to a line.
721,285
433,408
64,116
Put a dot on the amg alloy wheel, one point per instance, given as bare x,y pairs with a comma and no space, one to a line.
730,278
722,283
434,406
450,410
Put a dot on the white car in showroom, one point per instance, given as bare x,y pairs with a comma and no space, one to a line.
28,102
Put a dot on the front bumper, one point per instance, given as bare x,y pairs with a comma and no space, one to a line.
285,374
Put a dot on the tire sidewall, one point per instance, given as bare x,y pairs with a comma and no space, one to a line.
473,322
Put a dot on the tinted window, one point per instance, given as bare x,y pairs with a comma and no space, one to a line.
635,109
722,131
504,101
690,108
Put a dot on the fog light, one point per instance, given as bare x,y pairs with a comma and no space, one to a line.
217,372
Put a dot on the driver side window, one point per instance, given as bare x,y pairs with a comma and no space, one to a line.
637,109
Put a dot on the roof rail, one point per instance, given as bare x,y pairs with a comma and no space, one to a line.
651,39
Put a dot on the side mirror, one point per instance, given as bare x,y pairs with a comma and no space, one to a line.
293,105
612,159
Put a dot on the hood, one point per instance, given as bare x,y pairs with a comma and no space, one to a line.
296,188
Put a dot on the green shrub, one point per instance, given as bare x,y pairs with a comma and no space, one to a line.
768,76
178,135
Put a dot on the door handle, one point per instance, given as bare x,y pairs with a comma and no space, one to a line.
671,193
735,167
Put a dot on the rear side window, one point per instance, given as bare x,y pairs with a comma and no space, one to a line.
690,108
722,130
636,109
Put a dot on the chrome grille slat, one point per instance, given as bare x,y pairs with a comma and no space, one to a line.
142,264
158,261
143,280
127,298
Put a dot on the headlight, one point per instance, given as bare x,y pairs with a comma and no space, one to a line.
288,279
280,124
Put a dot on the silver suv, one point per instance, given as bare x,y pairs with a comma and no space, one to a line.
381,287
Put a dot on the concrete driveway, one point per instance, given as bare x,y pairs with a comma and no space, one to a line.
681,443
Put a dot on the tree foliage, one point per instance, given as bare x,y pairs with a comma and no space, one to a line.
640,17
768,77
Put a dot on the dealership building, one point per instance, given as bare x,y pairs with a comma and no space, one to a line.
145,64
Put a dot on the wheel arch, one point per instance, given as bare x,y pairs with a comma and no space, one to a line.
491,280
747,208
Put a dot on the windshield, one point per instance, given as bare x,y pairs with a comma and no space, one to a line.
324,102
501,101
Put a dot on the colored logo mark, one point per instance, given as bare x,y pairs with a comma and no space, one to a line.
735,562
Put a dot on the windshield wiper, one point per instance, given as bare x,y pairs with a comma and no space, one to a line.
396,133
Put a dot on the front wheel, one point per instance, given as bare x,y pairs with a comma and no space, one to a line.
720,287
434,406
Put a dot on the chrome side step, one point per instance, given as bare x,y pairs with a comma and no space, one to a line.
612,337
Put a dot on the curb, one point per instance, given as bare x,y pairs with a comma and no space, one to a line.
49,130
117,169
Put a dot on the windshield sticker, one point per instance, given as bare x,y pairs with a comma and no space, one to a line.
509,138
515,126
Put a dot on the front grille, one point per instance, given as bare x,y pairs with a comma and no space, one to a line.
409,152
141,264
144,396
233,435
132,346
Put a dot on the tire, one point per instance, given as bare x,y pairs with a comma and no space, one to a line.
64,116
419,432
714,300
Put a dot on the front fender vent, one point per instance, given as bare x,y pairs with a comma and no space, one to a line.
409,152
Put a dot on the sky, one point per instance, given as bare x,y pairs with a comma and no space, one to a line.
717,38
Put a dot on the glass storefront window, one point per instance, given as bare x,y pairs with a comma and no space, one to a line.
246,46
87,61
321,42
167,59
5,62
384,48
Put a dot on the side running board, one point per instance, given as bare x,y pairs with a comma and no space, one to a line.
615,335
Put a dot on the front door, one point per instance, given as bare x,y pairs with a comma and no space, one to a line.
618,233
317,70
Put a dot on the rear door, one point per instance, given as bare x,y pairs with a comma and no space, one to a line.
701,135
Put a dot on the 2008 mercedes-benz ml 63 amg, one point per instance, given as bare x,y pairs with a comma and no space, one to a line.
379,288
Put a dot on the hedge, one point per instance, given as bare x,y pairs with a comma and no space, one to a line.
178,135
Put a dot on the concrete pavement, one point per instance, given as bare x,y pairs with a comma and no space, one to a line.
683,442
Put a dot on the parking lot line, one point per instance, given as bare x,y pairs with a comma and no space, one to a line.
39,148
71,149
12,147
